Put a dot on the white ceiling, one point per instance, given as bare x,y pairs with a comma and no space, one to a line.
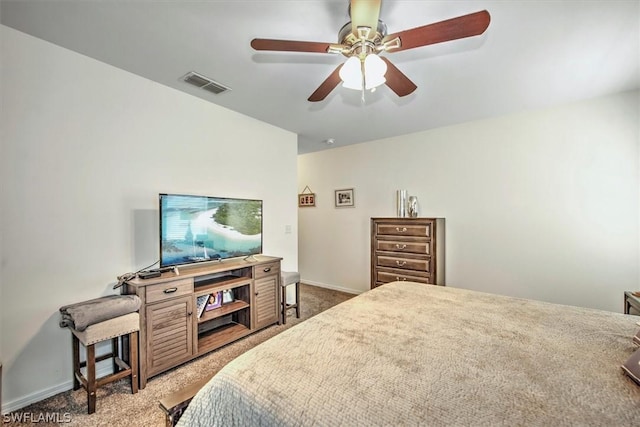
534,54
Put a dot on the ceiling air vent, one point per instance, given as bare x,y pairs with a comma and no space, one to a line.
205,83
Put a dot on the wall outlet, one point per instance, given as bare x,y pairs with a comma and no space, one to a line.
287,229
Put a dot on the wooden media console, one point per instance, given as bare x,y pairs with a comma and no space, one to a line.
172,331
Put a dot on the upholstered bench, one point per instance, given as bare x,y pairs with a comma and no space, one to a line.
114,329
289,278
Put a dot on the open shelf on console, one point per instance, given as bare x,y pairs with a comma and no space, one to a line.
223,310
228,282
222,277
221,335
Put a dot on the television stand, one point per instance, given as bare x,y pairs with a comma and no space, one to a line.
172,331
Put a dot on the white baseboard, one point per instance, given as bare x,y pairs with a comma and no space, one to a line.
329,286
16,404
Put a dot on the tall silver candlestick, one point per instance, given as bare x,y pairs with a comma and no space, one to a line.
402,203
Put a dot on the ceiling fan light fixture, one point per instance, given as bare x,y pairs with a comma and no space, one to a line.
351,73
374,71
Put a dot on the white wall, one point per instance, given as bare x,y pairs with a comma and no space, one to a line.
86,148
540,205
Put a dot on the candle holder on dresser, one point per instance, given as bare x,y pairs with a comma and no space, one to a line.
412,207
401,203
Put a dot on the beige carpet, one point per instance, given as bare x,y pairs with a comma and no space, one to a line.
116,406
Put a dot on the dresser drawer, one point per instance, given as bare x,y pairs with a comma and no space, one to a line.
423,248
386,276
405,263
263,270
414,230
166,290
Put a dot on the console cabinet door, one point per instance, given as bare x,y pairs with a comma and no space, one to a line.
169,333
266,307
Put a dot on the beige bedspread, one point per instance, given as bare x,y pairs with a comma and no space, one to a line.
413,354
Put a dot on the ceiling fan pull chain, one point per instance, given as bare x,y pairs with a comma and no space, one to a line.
364,81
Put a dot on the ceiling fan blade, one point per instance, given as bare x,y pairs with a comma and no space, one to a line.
364,13
327,86
397,81
290,45
452,29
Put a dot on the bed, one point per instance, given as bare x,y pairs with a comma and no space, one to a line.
412,354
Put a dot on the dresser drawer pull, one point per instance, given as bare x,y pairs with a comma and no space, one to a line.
266,269
401,230
170,290
401,264
402,279
401,247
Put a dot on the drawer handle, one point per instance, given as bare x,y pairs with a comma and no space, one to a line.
267,269
402,279
401,230
401,264
170,290
401,247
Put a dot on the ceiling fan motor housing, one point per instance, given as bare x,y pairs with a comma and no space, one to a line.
367,43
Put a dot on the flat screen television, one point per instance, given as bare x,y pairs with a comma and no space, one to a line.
202,228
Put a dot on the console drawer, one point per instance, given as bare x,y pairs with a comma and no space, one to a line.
166,290
263,270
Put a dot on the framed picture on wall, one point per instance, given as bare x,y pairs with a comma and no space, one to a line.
345,198
306,200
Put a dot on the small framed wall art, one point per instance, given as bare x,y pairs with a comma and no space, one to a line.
307,198
345,198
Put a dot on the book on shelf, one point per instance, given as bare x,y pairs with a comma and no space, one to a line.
201,303
214,301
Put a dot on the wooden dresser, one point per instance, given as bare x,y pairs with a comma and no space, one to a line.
407,249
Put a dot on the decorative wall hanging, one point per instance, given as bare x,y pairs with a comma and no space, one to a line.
307,198
345,198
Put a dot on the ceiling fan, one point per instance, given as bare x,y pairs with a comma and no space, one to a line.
365,36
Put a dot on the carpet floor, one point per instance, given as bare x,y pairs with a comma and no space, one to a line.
116,406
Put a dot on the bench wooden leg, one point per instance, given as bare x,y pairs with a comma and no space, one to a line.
298,300
284,304
75,343
92,383
115,350
133,361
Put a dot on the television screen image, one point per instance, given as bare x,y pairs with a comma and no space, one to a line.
201,228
